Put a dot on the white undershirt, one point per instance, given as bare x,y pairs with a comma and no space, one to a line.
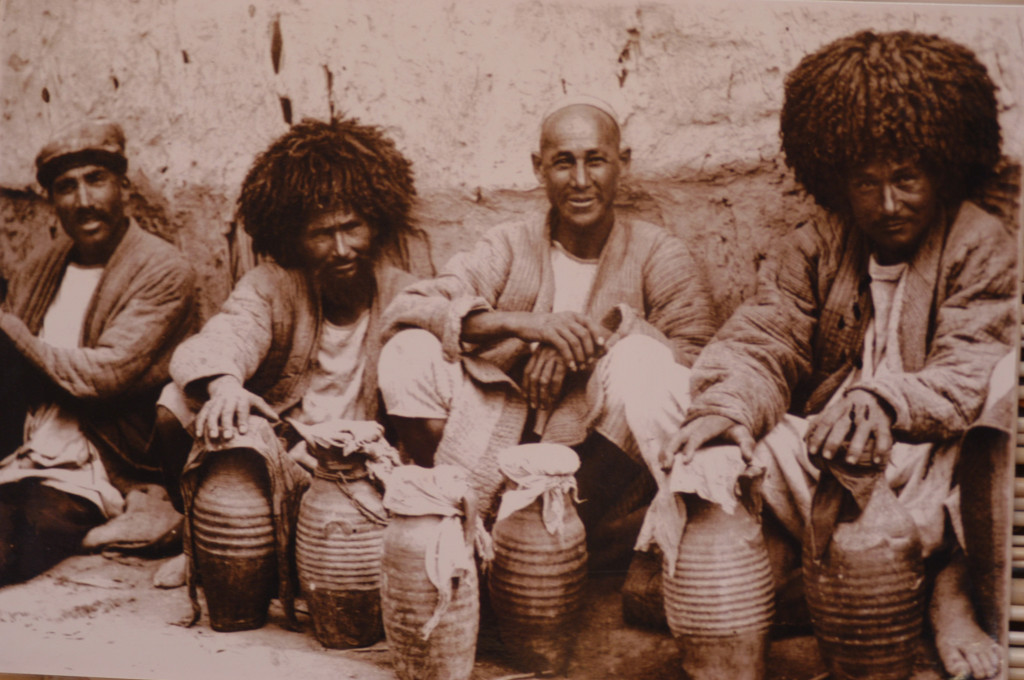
338,374
56,451
62,325
880,354
881,343
574,277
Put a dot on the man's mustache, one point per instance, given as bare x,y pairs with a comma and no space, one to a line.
83,215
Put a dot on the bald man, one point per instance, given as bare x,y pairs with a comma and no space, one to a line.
507,344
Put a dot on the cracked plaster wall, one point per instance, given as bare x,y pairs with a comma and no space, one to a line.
201,87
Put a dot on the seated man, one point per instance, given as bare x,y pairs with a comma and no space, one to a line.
501,347
86,335
299,336
882,321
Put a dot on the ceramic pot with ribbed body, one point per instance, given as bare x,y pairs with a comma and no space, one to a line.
540,557
720,600
866,593
338,544
233,535
429,586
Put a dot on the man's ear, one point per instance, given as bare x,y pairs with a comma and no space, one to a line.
126,188
538,167
625,156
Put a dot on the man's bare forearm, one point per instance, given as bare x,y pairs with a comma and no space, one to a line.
491,326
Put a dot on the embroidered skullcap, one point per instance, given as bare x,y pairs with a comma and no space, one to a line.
99,142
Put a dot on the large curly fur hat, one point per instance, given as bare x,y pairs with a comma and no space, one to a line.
325,165
898,95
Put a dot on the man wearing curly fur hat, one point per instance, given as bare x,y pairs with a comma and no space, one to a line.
875,338
328,206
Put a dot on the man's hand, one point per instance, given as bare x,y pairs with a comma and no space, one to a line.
228,409
858,423
702,430
578,340
543,377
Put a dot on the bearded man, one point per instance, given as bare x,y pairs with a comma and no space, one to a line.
326,204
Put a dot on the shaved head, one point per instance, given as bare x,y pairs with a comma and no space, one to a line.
581,114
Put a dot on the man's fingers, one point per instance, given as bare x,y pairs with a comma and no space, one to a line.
883,441
544,370
666,455
587,341
862,435
264,409
241,416
744,440
815,436
836,439
557,379
561,345
820,427
595,330
200,425
577,357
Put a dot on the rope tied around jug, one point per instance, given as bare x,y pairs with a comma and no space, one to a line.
341,480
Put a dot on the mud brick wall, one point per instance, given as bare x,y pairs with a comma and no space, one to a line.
201,87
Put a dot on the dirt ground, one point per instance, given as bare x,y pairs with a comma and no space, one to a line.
97,617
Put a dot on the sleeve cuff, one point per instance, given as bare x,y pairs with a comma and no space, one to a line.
451,339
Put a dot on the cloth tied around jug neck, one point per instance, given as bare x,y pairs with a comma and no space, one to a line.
715,474
545,471
444,491
349,437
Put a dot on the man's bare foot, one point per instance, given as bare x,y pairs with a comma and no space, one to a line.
171,573
966,651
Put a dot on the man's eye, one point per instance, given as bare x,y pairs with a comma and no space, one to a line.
63,187
596,160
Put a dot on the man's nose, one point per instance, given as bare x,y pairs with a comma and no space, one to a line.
580,176
341,245
888,198
82,195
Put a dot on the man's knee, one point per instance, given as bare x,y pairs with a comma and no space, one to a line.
49,511
53,524
635,365
408,351
414,378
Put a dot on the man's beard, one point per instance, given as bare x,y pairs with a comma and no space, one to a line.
341,279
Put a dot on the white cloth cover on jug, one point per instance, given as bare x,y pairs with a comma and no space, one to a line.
415,491
544,471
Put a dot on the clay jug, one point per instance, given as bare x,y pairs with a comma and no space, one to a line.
338,550
233,533
719,601
540,557
865,592
429,587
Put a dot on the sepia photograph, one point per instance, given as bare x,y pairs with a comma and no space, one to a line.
616,339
